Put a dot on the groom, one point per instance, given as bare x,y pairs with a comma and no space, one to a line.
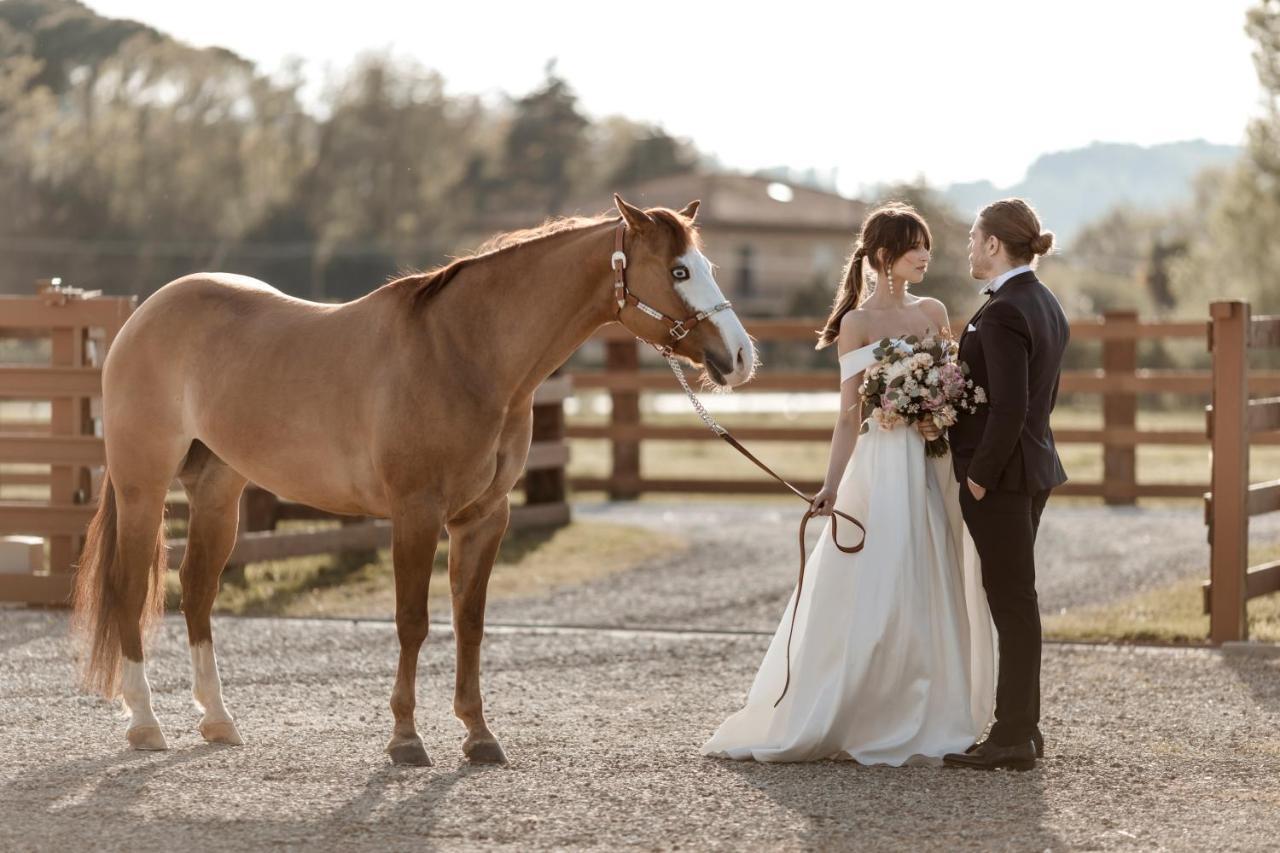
1006,462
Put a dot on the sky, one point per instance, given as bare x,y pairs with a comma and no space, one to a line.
879,91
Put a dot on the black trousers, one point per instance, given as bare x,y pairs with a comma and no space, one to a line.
1004,525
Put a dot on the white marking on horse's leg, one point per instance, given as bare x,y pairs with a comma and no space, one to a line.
144,729
206,688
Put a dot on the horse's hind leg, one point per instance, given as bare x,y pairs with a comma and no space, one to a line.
213,494
473,546
140,523
140,473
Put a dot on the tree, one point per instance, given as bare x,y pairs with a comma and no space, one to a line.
652,153
151,166
388,158
1239,255
546,137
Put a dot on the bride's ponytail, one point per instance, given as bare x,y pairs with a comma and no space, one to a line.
847,298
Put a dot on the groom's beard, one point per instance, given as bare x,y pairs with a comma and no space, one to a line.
979,271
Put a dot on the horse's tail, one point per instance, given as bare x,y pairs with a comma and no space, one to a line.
99,592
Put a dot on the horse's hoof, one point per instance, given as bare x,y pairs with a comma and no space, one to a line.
409,753
484,752
221,732
147,737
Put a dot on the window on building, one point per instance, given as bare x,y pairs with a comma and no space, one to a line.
746,270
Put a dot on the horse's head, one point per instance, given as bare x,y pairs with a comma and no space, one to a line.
666,271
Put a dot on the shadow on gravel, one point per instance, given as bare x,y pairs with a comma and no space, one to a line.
434,786
66,798
844,803
94,787
1262,676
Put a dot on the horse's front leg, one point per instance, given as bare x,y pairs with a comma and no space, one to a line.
415,535
474,538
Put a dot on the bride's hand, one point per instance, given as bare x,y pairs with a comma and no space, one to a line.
929,430
824,502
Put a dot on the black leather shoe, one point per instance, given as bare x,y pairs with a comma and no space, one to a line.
989,756
1037,740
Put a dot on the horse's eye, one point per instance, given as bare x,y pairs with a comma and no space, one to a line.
680,273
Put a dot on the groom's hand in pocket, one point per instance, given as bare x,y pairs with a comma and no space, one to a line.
977,491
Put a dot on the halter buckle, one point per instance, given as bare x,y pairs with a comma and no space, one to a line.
618,260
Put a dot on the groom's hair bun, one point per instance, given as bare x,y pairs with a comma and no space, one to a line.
1042,244
1015,224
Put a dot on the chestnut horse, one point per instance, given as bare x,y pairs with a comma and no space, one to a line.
413,403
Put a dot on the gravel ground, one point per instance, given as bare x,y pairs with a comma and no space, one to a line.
1170,749
741,566
1173,749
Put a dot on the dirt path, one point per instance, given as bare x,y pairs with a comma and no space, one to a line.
1148,749
741,567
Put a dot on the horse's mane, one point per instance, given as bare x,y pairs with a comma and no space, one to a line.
425,285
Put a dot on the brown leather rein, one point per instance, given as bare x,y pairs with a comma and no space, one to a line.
678,329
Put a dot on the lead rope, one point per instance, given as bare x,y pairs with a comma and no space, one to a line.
804,522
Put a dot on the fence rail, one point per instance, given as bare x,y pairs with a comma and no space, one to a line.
66,446
1119,381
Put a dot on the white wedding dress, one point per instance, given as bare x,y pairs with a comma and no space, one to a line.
893,658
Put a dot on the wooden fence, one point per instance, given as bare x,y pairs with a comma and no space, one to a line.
1118,379
1234,421
69,442
79,331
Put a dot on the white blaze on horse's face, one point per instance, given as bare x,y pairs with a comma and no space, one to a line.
701,293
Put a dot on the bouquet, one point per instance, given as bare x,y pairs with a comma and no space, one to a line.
919,380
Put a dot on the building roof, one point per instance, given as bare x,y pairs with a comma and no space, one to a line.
728,201
748,201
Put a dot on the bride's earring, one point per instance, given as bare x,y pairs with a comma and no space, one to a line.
889,279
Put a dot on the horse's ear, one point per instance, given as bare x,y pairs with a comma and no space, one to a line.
690,210
634,216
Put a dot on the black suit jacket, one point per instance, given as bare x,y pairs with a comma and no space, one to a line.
1015,353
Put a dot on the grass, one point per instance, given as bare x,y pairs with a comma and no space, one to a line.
353,585
530,562
808,459
1170,614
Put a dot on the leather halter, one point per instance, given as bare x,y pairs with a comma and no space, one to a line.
677,329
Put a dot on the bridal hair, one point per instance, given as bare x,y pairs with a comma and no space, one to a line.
1014,223
888,233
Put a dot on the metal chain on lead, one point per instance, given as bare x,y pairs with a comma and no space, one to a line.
697,404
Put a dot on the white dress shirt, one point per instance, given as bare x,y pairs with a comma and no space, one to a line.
998,282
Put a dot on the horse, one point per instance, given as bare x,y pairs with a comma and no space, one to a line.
413,403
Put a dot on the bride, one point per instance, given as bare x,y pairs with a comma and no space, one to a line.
893,653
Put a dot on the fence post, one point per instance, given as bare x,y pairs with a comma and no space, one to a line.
1229,520
1119,412
623,357
259,511
66,419
546,485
